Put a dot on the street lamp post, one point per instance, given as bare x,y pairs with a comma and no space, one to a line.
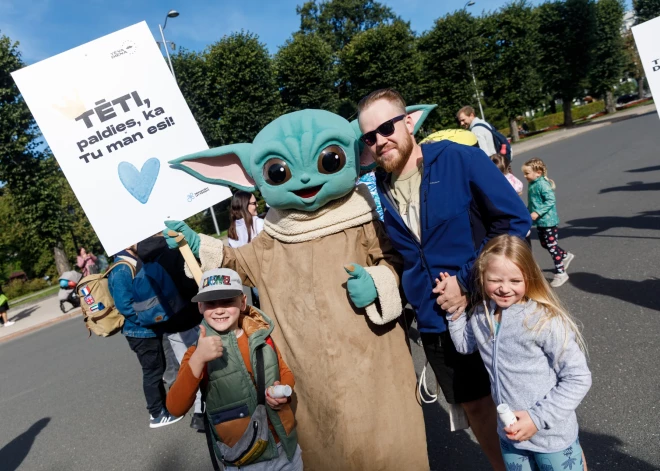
174,14
474,78
170,14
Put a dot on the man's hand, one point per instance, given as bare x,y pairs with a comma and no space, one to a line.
451,298
522,430
275,403
534,216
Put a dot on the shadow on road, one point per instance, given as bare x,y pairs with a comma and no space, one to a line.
14,452
644,169
24,313
587,227
605,453
633,186
642,293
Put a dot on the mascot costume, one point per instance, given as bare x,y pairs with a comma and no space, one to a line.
327,274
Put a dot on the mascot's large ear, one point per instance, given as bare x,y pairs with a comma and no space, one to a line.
226,165
367,163
419,114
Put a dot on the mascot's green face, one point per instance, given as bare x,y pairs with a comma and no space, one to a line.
302,160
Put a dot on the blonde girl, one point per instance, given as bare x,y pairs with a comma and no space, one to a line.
542,206
534,354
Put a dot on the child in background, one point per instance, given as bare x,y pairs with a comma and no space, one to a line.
534,354
500,163
543,209
235,360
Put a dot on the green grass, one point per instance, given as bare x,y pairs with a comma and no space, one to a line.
32,297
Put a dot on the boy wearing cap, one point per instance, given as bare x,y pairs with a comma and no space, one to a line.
249,428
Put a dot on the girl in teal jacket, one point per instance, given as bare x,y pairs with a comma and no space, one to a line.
543,209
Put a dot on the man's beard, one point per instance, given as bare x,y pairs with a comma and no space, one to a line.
395,164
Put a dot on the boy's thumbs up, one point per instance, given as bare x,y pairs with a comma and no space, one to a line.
202,331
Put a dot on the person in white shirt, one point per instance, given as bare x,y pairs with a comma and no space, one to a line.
244,222
467,119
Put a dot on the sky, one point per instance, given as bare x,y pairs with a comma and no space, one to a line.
48,27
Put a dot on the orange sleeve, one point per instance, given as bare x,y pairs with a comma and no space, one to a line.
286,376
181,396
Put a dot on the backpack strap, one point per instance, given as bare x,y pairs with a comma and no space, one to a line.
261,377
121,262
207,432
484,125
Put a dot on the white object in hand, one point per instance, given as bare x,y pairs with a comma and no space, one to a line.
506,416
279,391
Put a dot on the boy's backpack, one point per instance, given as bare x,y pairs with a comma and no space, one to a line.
99,312
156,297
502,145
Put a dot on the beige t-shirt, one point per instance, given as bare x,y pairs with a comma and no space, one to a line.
405,191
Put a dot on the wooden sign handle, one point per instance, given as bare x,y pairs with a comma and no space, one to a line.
188,256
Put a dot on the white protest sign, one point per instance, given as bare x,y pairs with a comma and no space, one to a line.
114,116
647,38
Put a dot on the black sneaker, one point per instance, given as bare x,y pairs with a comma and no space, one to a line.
197,422
163,419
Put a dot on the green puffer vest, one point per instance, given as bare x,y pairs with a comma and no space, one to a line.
231,394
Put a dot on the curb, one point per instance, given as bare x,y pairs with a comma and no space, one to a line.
20,333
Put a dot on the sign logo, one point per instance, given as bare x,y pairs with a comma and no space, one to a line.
128,48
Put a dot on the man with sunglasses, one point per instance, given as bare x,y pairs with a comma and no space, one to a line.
442,202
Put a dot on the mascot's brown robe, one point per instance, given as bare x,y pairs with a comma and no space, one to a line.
354,398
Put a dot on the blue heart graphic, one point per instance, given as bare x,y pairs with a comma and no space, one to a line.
139,183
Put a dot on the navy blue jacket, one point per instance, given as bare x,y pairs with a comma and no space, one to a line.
464,202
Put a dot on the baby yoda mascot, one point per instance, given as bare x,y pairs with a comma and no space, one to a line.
327,275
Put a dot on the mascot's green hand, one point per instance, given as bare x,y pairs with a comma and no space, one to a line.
360,285
191,236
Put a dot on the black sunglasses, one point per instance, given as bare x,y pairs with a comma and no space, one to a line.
386,129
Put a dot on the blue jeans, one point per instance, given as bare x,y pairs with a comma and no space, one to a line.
569,459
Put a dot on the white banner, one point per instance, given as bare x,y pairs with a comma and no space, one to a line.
647,38
114,116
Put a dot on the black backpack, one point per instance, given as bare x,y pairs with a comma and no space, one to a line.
502,146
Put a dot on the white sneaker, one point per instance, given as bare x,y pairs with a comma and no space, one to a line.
8,323
559,279
568,259
163,419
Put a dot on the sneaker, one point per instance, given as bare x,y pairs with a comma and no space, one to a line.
559,279
197,422
567,260
163,419
8,323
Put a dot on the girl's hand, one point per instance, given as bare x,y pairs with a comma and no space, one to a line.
273,402
535,216
522,430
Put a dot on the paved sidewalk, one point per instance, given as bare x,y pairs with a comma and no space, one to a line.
35,316
555,136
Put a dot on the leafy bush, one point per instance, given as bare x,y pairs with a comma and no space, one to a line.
18,288
557,119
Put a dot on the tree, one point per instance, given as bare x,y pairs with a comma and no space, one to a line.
243,89
448,51
195,83
633,67
510,78
566,38
306,73
31,176
384,56
338,21
608,55
646,9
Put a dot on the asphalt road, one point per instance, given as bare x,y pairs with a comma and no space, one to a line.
70,403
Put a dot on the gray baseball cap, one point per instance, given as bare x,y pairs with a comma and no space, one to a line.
219,283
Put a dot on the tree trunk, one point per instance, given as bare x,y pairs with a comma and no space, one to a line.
568,113
553,106
610,104
513,126
640,87
61,260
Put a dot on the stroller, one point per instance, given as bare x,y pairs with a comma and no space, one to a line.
67,293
